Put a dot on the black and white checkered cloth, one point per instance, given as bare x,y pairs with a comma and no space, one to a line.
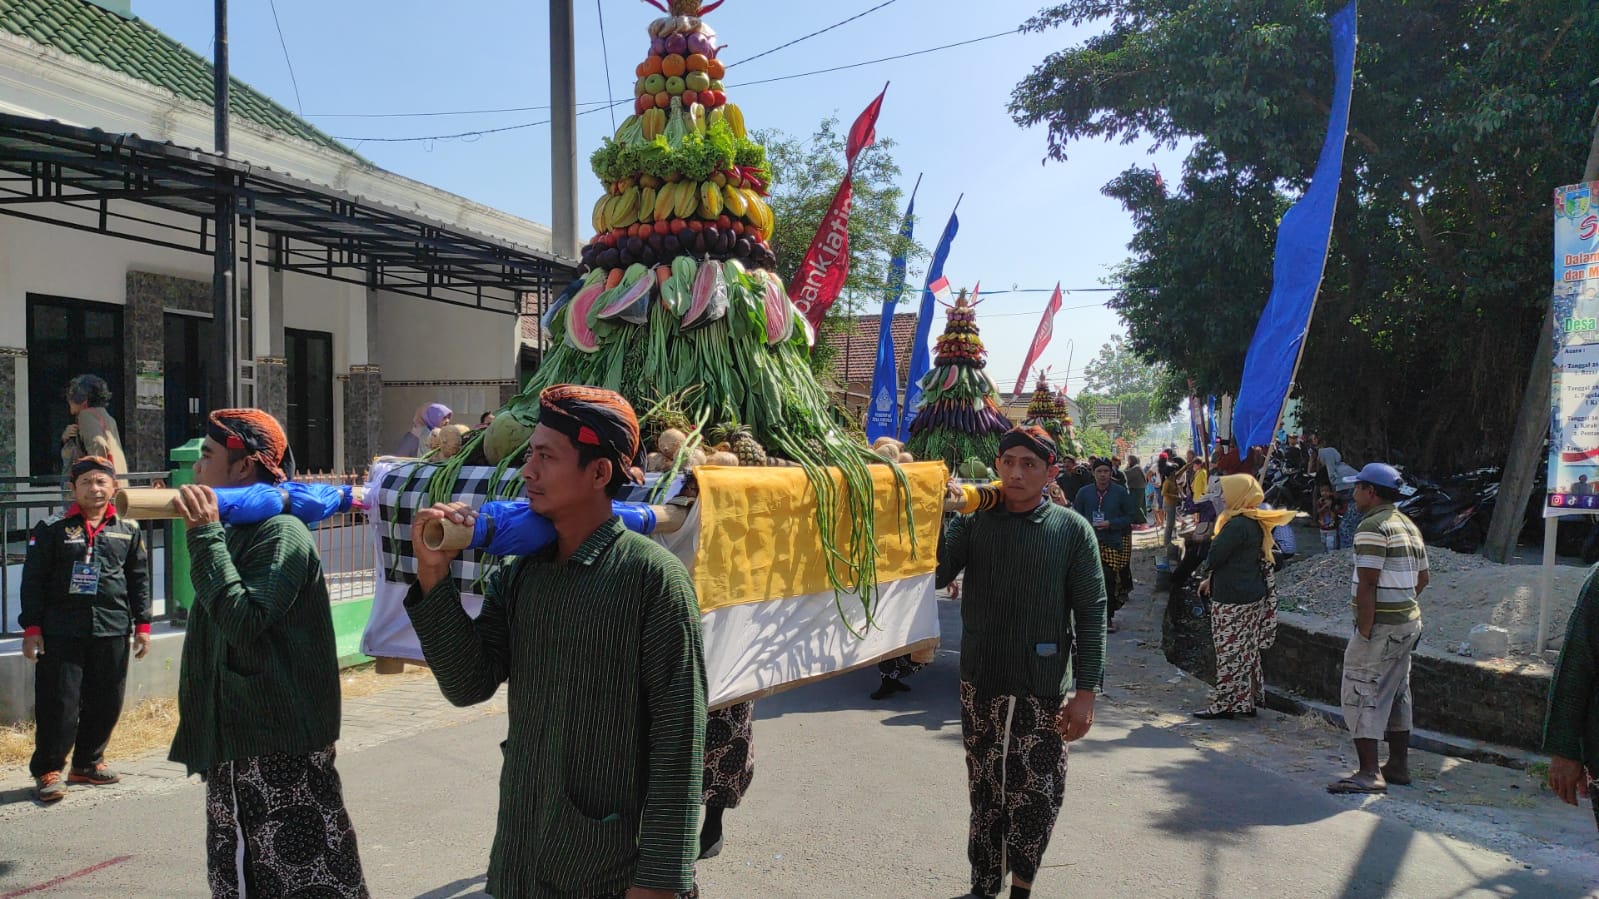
401,491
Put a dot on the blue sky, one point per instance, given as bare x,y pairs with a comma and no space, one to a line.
1023,224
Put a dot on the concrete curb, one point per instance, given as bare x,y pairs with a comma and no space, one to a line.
1425,740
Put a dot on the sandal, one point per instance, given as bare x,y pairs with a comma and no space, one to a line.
1352,785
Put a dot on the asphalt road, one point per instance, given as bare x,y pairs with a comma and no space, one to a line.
852,798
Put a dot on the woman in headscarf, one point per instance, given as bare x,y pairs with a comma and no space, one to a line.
1243,616
428,417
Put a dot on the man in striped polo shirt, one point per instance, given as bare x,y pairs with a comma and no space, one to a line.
598,641
1390,572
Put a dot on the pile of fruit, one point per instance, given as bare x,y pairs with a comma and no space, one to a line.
959,417
1068,434
677,304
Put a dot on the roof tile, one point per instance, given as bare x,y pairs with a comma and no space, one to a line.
137,50
855,338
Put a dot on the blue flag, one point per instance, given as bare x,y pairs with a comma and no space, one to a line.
1302,241
882,411
921,353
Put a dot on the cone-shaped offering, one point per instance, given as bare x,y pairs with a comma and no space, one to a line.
959,419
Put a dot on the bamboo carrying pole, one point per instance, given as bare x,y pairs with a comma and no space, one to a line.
147,503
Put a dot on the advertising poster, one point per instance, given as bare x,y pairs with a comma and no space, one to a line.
1574,393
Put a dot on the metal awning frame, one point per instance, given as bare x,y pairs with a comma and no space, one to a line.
89,180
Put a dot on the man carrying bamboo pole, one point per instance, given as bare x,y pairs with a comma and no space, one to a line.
258,698
1034,600
598,638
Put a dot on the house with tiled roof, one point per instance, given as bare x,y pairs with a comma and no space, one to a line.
855,338
360,294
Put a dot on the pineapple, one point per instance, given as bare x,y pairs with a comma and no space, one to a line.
748,451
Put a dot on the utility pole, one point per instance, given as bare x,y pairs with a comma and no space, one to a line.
1532,423
563,131
224,379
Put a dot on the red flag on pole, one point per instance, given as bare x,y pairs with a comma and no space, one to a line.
1046,330
826,266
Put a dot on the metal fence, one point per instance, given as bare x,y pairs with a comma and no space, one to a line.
24,502
349,560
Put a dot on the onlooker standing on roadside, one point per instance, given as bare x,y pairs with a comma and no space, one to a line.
1171,498
93,431
84,590
1390,573
1329,512
1136,487
1571,724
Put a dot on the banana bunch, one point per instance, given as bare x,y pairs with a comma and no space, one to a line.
652,124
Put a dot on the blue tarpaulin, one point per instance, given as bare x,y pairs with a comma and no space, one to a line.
1302,241
921,352
882,410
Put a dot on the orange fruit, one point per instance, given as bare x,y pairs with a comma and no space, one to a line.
672,65
651,66
715,69
697,62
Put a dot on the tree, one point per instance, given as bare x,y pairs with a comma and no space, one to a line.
806,174
1117,375
1465,115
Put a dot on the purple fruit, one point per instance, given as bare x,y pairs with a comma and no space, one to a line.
658,47
699,43
671,245
635,245
608,258
713,236
676,44
625,258
742,248
648,255
657,242
699,245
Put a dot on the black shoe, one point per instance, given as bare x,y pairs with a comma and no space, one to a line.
713,850
887,688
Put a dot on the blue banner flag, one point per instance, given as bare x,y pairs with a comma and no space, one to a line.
882,411
921,352
1301,257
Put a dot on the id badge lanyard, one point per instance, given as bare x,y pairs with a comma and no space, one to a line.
85,575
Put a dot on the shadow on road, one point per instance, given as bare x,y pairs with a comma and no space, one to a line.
470,886
20,794
1219,801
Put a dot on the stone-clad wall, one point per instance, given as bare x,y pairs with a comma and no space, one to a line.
1481,700
144,338
363,415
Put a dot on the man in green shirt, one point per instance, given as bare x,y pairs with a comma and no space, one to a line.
258,694
1034,598
1390,573
1571,726
598,640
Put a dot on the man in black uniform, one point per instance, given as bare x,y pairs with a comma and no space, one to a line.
84,590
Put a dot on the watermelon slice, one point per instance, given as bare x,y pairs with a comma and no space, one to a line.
709,301
632,303
949,380
779,313
578,331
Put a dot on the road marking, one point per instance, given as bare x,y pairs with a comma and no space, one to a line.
51,884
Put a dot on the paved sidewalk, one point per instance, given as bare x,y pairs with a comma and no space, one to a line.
408,707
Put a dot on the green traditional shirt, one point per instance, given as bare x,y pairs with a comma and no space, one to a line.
1571,726
1034,597
605,672
260,663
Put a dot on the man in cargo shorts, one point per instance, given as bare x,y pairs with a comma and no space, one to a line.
1390,573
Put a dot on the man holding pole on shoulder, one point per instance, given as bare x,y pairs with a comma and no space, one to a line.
598,638
258,697
1034,601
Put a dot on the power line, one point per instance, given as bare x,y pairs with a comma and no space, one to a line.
442,112
605,56
854,65
811,35
299,107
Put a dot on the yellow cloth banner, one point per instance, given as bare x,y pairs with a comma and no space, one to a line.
758,538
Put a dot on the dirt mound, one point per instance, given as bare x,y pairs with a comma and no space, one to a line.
1466,591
